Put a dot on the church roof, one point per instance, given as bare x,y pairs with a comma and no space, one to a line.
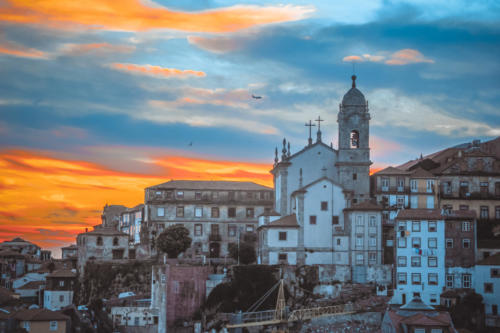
289,221
365,205
303,188
317,143
353,96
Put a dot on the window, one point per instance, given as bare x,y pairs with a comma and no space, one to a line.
26,325
231,230
449,243
432,226
136,321
401,184
282,236
372,258
354,176
61,298
497,212
312,219
415,278
53,325
250,212
432,243
231,212
488,288
432,279
401,278
324,205
400,201
415,242
484,213
466,226
249,228
354,139
373,221
215,212
282,257
415,226
432,261
231,195
249,195
338,241
419,330
385,184
198,211
466,280
463,207
360,259
99,241
214,229
413,185
494,309
61,283
198,230
466,243
448,208
494,273
401,261
372,241
449,281
169,194
179,212
430,185
359,221
415,262
180,194
335,220
402,242
359,241
115,241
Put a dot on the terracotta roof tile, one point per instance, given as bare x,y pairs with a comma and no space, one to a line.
286,221
365,205
392,171
421,173
62,273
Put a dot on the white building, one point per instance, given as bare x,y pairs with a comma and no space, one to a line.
59,290
487,283
279,240
420,256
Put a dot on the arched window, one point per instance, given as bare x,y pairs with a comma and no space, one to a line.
99,241
354,139
115,241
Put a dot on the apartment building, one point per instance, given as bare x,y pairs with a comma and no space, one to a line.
131,222
216,213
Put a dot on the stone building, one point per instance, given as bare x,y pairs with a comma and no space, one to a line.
111,215
131,222
102,244
59,289
487,283
69,252
216,213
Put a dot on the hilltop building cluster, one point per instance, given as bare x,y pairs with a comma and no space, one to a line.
427,231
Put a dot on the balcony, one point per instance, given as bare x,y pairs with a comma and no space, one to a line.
214,237
393,189
468,195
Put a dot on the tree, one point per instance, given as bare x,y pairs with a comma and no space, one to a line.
174,240
247,252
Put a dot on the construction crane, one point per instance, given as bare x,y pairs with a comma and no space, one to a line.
280,316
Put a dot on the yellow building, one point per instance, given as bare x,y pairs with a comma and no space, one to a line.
42,321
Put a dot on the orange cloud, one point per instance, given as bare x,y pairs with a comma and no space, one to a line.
135,15
156,71
49,200
407,56
352,58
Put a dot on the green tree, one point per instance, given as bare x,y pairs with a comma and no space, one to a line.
174,240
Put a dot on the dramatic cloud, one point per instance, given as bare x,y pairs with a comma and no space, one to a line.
401,57
16,50
156,71
134,15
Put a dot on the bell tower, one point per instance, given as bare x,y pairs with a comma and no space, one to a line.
354,149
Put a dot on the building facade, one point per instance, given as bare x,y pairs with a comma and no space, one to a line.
59,290
216,213
487,283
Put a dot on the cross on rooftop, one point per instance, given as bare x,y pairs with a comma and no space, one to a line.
310,125
319,120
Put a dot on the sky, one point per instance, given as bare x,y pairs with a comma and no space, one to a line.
102,98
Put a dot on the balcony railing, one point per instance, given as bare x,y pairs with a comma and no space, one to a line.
469,195
397,189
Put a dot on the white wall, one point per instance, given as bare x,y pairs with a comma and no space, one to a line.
52,300
483,275
291,257
292,235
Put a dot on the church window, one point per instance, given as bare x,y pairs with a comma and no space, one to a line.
282,236
354,139
324,205
354,176
312,219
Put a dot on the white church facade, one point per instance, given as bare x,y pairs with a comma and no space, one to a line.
317,191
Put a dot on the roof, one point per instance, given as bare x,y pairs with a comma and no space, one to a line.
270,213
421,173
106,231
303,188
70,247
416,304
435,214
488,243
210,185
62,273
493,260
289,221
32,285
353,96
10,253
365,205
306,148
40,315
392,171
442,319
6,294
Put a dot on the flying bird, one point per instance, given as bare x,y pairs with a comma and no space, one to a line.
256,97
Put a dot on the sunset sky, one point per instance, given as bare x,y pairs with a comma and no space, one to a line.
102,98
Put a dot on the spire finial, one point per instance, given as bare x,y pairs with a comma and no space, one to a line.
288,153
319,120
283,151
310,125
276,155
354,81
300,178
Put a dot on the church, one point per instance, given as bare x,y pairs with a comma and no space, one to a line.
323,215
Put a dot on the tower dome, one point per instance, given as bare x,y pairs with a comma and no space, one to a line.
353,97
